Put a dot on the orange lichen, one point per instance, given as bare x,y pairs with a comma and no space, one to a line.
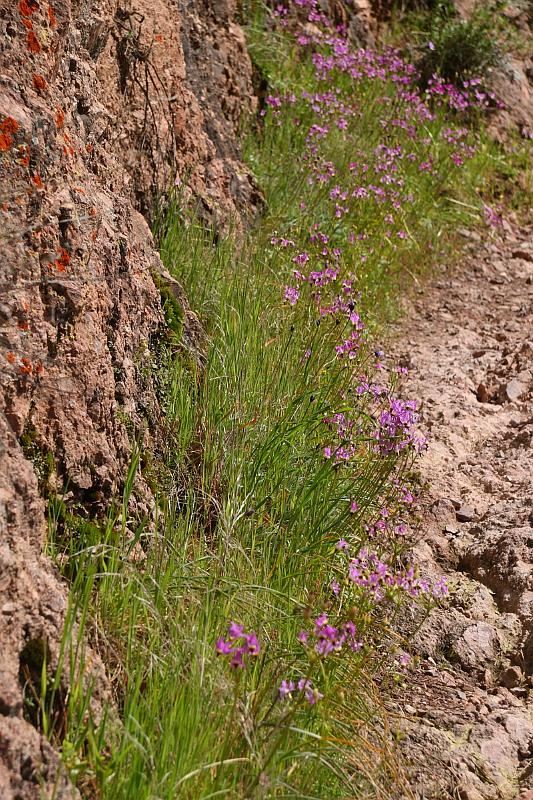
11,357
24,155
26,368
5,142
8,127
63,261
37,180
52,16
89,148
27,7
60,117
39,83
33,43
159,38
23,325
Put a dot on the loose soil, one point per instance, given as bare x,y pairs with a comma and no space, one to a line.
466,708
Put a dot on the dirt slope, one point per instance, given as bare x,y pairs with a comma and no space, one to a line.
469,343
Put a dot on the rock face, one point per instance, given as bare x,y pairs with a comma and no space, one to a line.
103,105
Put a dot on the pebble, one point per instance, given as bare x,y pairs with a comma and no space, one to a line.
511,677
525,255
447,679
465,514
514,390
451,529
467,792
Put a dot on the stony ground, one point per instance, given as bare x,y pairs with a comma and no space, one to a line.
467,711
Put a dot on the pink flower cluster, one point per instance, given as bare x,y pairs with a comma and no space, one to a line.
288,688
397,428
328,639
238,645
379,579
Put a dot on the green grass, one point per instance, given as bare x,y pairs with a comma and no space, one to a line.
249,509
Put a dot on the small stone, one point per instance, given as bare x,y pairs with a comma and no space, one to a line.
447,679
410,710
478,644
468,792
511,677
451,529
482,394
525,255
442,508
465,514
514,390
8,609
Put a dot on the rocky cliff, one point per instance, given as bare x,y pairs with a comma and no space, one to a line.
103,106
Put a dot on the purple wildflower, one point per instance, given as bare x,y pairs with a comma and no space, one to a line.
292,293
342,544
238,645
286,689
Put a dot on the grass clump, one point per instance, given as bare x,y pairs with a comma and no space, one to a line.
249,626
459,48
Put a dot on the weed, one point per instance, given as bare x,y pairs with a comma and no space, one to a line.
457,48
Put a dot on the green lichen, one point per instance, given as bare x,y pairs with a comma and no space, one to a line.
41,458
172,308
127,422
